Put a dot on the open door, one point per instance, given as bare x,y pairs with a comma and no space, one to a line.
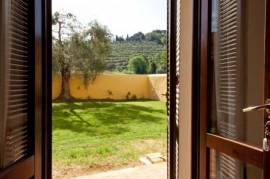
25,89
234,95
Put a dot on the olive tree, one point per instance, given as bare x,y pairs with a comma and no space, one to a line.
78,49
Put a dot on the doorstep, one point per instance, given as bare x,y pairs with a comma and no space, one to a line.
153,171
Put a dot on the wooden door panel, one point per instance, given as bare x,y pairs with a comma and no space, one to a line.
236,149
23,169
24,71
234,75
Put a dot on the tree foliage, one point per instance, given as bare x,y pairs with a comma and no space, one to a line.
138,64
119,38
161,61
96,47
152,68
137,37
158,36
152,45
78,49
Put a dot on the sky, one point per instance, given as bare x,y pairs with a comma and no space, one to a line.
122,17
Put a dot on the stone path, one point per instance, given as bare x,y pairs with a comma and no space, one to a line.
153,171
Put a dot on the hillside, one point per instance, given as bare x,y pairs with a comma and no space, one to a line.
121,51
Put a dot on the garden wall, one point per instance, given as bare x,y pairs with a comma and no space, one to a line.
114,86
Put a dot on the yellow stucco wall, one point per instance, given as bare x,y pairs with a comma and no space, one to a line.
114,86
56,85
157,87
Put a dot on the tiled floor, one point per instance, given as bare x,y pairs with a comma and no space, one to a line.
154,171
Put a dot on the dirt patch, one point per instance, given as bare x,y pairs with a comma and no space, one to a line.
70,171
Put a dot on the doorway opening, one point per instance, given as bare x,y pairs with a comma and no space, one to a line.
109,88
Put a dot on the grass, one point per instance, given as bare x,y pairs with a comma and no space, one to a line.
100,135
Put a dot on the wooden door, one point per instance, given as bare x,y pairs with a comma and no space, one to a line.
24,100
234,55
234,75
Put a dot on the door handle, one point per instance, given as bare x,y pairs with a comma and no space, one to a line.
256,108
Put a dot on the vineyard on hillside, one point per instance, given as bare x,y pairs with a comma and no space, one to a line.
122,51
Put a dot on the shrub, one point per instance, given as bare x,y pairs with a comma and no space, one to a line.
138,64
153,68
133,97
128,95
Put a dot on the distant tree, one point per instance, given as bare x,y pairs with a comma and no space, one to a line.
119,39
138,64
78,49
137,37
158,36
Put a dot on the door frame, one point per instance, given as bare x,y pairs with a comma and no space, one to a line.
172,132
46,75
200,153
40,164
202,140
46,138
47,89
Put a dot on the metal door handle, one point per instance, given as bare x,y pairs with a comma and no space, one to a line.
266,107
256,108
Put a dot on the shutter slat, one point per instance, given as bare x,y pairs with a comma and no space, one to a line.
18,56
22,116
16,111
20,7
18,31
22,38
18,61
17,105
18,51
18,13
20,42
18,70
18,100
19,46
19,25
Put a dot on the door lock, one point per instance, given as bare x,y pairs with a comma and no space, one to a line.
266,107
266,140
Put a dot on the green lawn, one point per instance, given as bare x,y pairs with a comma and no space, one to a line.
100,135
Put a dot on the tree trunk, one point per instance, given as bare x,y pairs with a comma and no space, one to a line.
65,90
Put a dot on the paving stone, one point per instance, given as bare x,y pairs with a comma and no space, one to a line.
145,161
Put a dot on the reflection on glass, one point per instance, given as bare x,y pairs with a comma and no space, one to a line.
237,63
223,167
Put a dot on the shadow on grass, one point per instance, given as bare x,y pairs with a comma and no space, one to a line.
104,117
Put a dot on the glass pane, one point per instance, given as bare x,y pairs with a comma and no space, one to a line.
223,167
237,63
